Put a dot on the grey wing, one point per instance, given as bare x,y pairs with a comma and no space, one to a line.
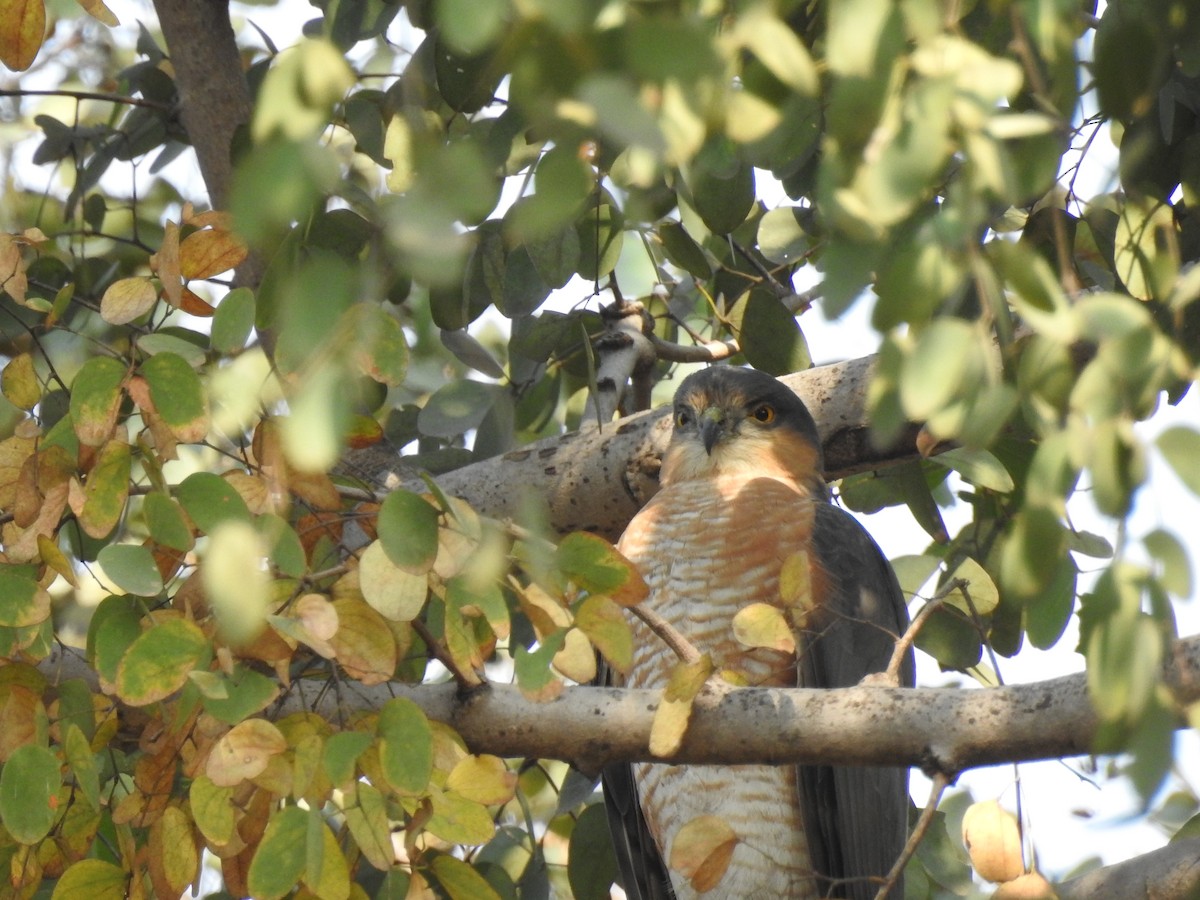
857,818
643,873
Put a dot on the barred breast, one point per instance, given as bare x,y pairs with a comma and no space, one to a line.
707,549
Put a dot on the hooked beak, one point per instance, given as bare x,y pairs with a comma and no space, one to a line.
712,427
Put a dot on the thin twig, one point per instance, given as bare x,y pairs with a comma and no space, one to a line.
89,95
940,782
682,647
905,641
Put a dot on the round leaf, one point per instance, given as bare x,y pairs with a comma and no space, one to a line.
131,567
157,664
29,784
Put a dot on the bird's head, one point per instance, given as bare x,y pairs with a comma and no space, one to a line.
730,420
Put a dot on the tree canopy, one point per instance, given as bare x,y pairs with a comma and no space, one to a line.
304,461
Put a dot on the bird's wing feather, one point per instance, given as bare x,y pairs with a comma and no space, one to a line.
859,816
643,873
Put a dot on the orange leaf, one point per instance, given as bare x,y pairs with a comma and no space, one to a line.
701,851
22,30
98,11
195,305
204,254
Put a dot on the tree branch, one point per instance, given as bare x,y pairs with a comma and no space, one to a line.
940,730
598,478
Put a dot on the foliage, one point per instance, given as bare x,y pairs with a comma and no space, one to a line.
414,174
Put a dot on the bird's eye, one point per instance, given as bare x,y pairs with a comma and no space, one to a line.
765,414
682,418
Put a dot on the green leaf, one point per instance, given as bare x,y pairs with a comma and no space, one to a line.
94,879
247,692
131,567
1180,446
599,568
279,861
913,572
980,467
781,235
96,398
601,236
299,91
458,820
722,189
1124,655
1045,616
408,531
233,321
1174,565
166,523
469,26
683,251
78,754
341,754
29,785
157,663
591,864
178,396
950,638
378,340
935,369
106,490
191,346
25,602
456,408
115,625
460,880
367,819
210,500
979,586
769,334
405,747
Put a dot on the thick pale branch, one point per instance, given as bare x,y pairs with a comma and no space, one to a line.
598,478
1173,871
937,729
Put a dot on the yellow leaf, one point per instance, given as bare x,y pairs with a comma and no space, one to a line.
992,838
675,709
128,298
701,851
458,820
13,279
979,586
763,625
364,645
602,620
484,779
795,581
22,30
244,752
577,659
52,556
98,11
320,620
1026,887
20,383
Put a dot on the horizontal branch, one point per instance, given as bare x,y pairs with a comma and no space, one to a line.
598,478
945,730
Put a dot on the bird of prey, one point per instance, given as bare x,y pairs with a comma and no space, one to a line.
742,493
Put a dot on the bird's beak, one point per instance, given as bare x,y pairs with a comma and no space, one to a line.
712,427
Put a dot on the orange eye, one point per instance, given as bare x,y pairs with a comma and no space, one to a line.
765,414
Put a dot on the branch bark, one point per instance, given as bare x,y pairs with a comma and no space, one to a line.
596,479
940,730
